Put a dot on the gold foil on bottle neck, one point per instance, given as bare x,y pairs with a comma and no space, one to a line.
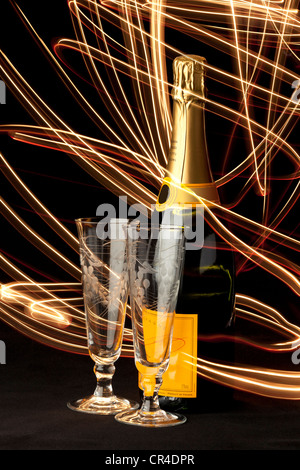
189,78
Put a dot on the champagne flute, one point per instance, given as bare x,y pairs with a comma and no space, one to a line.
103,258
155,258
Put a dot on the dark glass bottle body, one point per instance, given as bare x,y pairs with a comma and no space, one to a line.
207,290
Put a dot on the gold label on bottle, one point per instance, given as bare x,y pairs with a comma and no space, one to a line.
180,379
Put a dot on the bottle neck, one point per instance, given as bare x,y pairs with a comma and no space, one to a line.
188,174
188,157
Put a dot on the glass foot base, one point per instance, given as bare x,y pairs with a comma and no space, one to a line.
157,419
102,406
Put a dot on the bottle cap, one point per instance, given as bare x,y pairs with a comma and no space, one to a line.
189,78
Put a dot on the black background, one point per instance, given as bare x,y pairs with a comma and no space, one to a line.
37,381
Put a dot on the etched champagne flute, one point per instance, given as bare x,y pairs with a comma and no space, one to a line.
103,258
155,258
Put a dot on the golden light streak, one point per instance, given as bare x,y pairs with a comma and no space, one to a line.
244,94
128,157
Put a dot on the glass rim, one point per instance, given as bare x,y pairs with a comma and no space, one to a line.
130,223
156,226
99,220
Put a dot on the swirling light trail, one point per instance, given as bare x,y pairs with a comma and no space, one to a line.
130,156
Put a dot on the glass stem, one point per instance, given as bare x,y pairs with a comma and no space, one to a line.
150,402
104,374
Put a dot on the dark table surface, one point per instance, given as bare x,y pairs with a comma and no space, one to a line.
37,382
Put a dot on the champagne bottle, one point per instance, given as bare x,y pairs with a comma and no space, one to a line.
205,306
